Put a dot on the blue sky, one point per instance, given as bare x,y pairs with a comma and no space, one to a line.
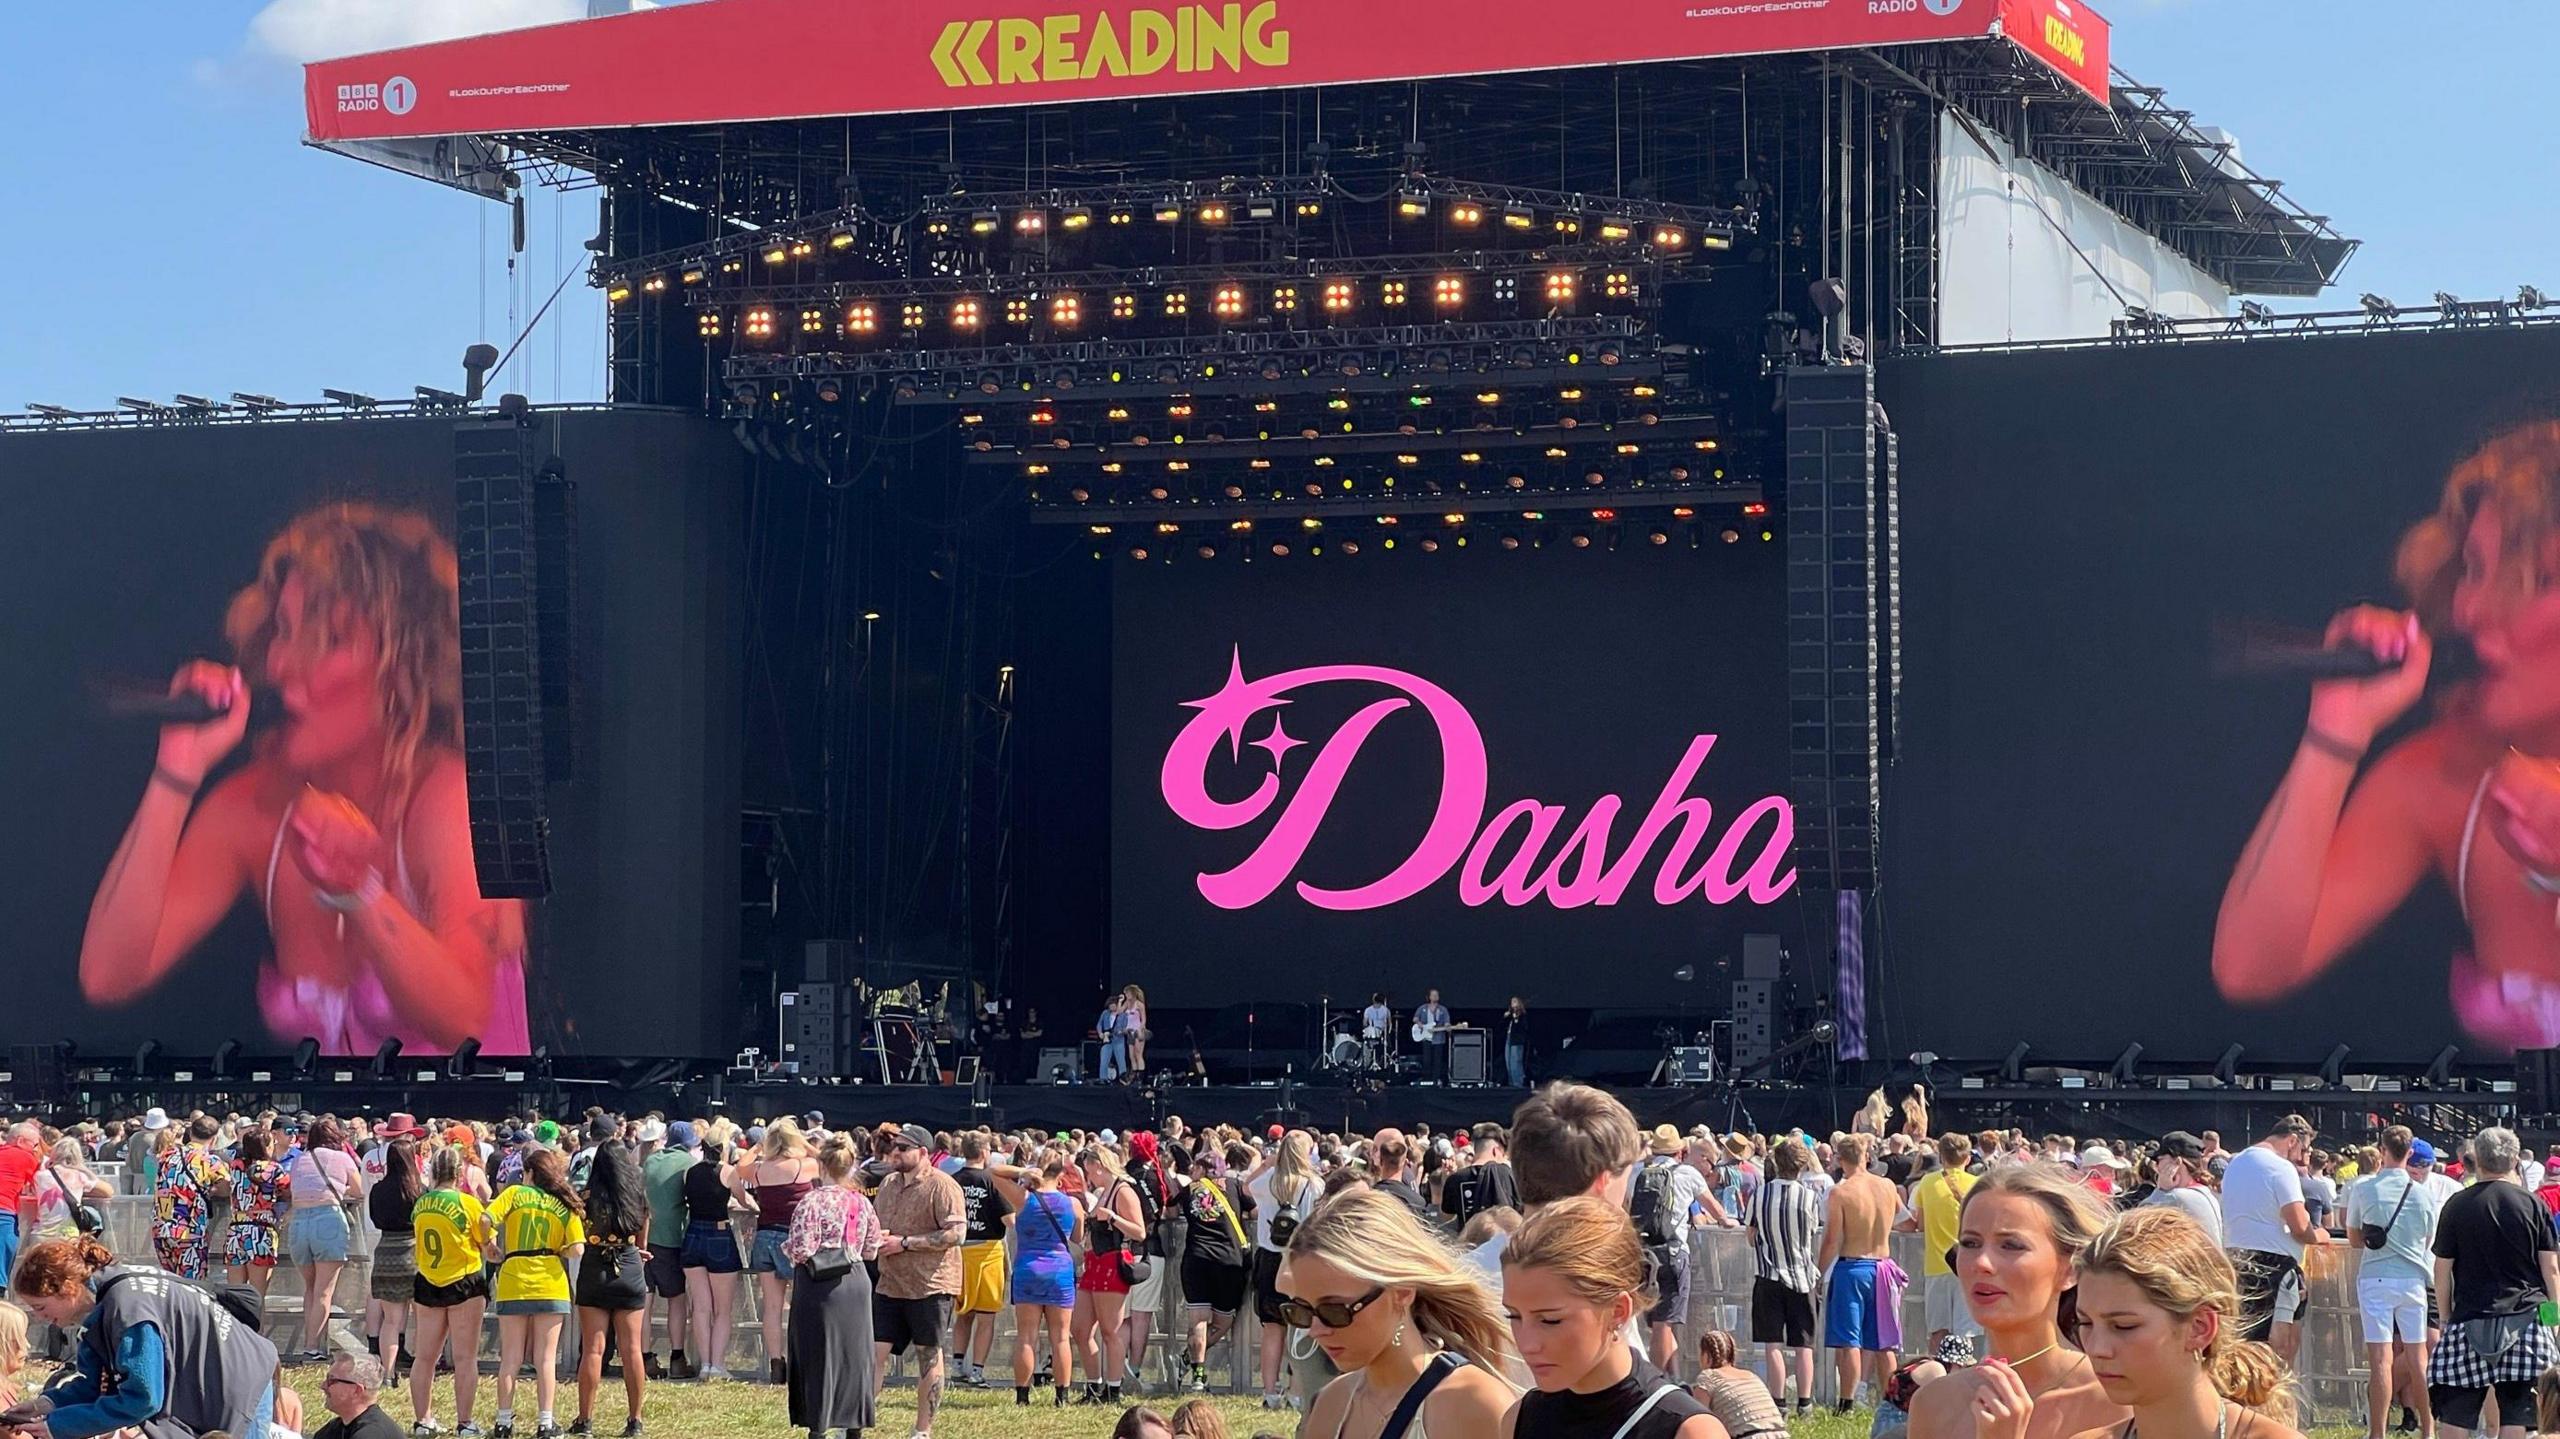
168,231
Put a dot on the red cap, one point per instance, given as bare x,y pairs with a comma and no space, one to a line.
1460,1142
1274,1132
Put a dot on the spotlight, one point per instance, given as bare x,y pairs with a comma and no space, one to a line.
1412,204
2333,1070
1670,237
1066,312
1031,222
1519,217
306,1056
2253,313
225,1055
968,314
2378,307
617,291
2013,1070
2226,1070
2121,1072
1168,211
1449,291
1730,535
2440,1069
862,318
1562,286
1340,296
143,1054
1227,302
1466,214
1616,231
777,253
1214,212
2530,298
985,222
1075,217
384,1056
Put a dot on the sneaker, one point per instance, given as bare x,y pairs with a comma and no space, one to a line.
632,1428
582,1428
425,1429
971,1379
547,1431
466,1430
503,1429
1274,1401
712,1372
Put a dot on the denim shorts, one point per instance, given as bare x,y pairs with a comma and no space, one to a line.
766,1257
711,1247
317,1235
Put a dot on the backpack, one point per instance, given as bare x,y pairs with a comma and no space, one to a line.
1285,1214
1648,1195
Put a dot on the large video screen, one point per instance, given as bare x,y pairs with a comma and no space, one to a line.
1551,772
294,860
2102,829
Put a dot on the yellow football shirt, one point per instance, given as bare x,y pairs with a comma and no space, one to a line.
532,1227
451,1226
1940,1200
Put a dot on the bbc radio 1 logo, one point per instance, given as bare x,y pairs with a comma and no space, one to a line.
1940,8
397,95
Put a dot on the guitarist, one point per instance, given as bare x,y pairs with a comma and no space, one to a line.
1431,1030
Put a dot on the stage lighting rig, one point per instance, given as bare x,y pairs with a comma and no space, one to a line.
2378,308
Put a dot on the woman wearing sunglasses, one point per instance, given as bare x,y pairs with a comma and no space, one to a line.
1420,1343
1572,1278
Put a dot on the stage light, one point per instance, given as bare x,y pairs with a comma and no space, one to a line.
1031,222
617,291
967,314
777,253
1767,535
2377,307
937,226
225,1055
1449,291
1017,310
1137,552
1167,527
305,1056
813,321
2440,1069
694,274
1391,292
1562,285
1177,303
829,391
1227,302
1510,542
1280,548
1119,215
2529,297
1659,537
1466,213
732,266
1519,217
2333,1070
1179,409
1207,552
1730,535
1066,311
1124,306
1669,237
911,315
1309,209
2121,1072
1756,508
654,285
1340,296
1581,541
143,1054
840,239
803,249
384,1057
1618,285
1214,212
1284,300
1168,211
1412,204
1628,449
1035,471
707,324
1617,231
758,324
985,222
1571,394
1608,352
862,317
1075,217
1116,412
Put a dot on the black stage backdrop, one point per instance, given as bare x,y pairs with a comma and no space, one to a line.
119,551
1587,674
2074,786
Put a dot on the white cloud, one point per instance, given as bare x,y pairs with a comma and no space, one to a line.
304,30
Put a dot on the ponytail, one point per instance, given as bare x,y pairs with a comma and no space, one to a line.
60,1266
2250,1375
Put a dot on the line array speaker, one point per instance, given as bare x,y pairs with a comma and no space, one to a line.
1832,648
502,713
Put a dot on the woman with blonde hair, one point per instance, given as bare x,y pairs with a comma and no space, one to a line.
2159,1311
2018,1234
1115,1235
773,1183
1133,1024
1285,1189
347,824
1394,1311
1574,1277
2473,797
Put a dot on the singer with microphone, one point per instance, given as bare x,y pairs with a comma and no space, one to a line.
346,825
2472,797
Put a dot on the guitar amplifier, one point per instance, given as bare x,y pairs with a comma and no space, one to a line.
1466,1056
1693,1064
1060,1063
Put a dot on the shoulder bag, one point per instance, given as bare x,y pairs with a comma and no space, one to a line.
836,1260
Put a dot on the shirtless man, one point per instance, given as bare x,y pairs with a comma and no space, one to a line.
1857,1228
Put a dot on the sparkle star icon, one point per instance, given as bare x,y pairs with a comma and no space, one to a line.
1278,743
1237,701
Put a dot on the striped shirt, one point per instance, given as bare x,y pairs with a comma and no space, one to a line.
1786,1228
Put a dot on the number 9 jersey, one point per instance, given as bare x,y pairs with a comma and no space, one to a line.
451,1230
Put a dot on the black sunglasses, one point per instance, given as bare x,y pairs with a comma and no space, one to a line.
1336,1313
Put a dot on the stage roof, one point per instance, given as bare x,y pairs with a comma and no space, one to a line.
728,61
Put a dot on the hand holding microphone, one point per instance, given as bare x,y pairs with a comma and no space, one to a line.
188,752
2350,712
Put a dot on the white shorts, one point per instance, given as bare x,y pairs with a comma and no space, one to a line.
2289,1298
2393,1308
1942,1300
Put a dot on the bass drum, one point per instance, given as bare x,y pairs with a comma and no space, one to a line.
1346,1053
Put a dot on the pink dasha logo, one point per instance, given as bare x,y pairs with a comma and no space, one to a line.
1581,871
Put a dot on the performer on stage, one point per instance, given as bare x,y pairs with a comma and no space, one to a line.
347,825
2473,797
1515,1042
1377,1029
1431,1026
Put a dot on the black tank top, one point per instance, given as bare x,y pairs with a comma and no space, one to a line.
1568,1415
706,1199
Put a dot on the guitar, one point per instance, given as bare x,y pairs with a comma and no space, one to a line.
1425,1033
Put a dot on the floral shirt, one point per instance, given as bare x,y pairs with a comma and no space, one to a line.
832,1214
184,1190
258,1196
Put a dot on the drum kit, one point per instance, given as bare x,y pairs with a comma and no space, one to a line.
1355,1049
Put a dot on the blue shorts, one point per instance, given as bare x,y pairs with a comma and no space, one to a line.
1851,1320
766,1256
8,1247
317,1235
712,1247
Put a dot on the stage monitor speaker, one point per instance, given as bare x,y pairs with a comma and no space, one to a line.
1061,1061
1466,1056
1762,957
2538,1080
504,753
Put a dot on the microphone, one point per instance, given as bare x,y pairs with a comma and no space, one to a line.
123,700
2268,653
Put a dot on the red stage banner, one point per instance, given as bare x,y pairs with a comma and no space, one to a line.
2064,34
734,60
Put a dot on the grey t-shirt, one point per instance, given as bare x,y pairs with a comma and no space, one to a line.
2197,1203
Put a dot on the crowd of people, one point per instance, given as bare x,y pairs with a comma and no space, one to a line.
1529,1279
